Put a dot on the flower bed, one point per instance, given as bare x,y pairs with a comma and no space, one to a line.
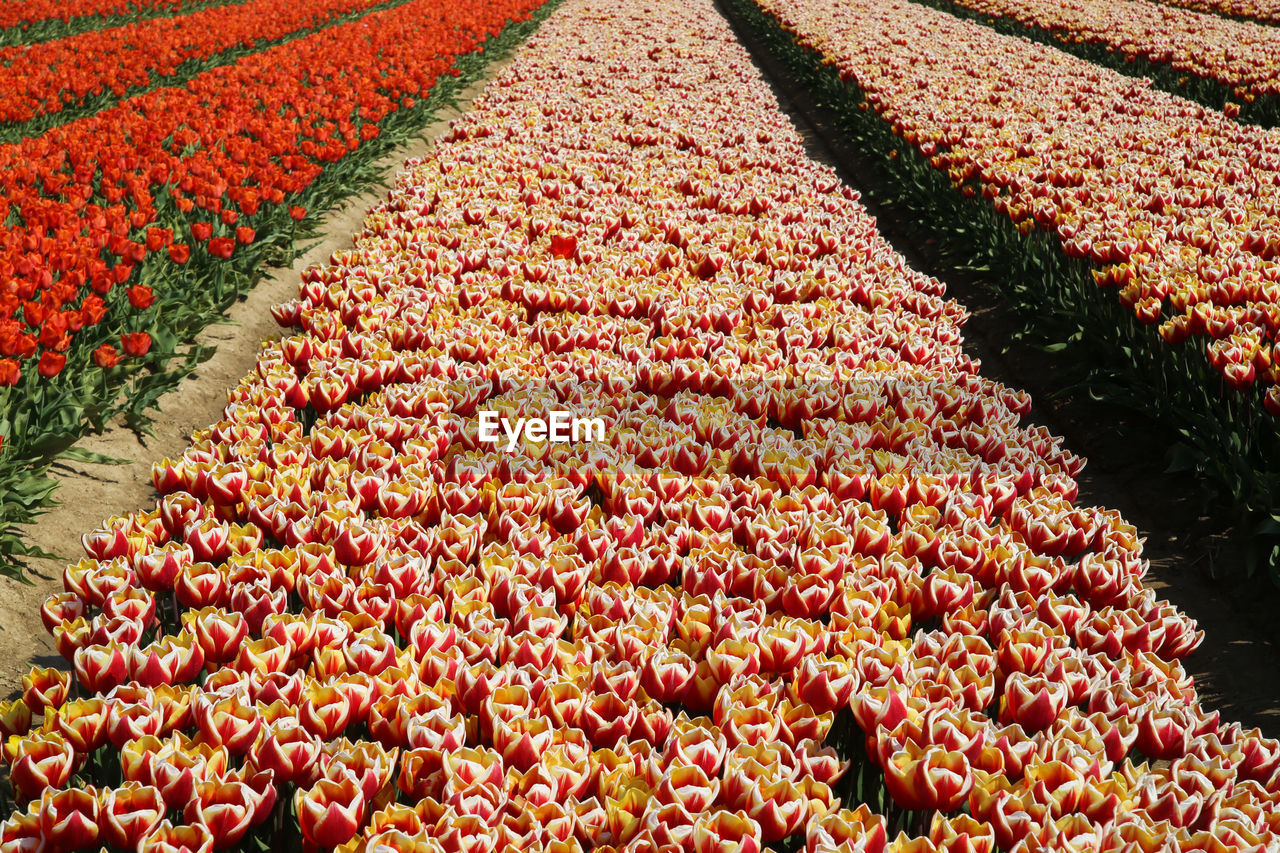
82,74
1080,182
815,584
1263,11
146,219
40,20
1222,63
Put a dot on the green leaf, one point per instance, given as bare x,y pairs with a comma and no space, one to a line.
1182,457
79,454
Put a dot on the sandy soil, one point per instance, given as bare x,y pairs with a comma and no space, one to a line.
91,493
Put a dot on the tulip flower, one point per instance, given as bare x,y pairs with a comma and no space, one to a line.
226,809
288,751
83,722
37,762
228,723
723,831
69,819
60,607
15,718
129,813
931,778
331,811
167,838
1034,703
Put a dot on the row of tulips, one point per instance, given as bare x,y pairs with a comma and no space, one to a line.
1263,11
41,20
148,218
813,559
81,74
1217,60
1087,183
95,197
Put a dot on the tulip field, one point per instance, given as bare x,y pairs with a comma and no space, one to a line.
815,584
1144,222
148,171
44,20
56,77
1265,11
806,579
1215,60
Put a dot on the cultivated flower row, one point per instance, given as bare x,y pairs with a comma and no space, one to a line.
50,77
38,20
814,581
88,194
1174,203
33,11
1265,11
1239,55
174,197
1082,176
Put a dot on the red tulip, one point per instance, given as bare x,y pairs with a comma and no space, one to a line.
51,364
135,344
141,297
106,356
221,247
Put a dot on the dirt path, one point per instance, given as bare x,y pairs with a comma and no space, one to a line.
91,493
